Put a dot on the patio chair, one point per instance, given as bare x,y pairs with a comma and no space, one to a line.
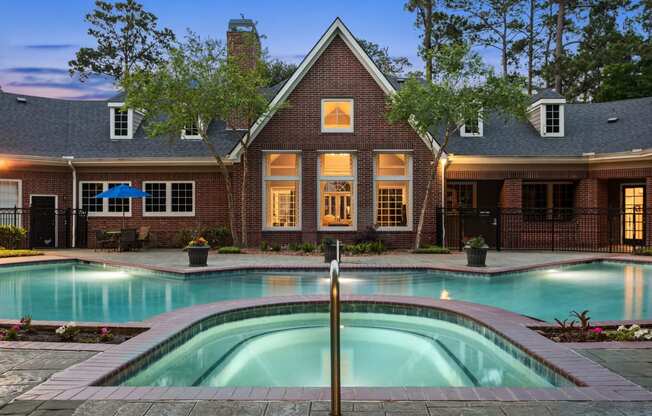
104,240
128,240
144,236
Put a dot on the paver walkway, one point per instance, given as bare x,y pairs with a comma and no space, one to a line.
634,365
20,369
177,260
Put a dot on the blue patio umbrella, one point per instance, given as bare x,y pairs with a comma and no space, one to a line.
122,191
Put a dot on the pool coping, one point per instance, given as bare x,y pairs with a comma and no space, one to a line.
595,382
199,271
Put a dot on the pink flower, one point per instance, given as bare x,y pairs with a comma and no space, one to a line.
16,327
104,331
597,330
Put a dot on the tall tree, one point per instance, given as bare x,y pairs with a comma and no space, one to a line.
278,70
532,43
197,85
559,42
439,27
388,65
498,24
464,89
127,39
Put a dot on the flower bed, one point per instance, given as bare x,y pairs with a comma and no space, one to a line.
70,332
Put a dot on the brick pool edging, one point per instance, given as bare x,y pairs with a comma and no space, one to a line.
597,383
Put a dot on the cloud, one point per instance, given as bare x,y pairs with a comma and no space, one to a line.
34,70
52,46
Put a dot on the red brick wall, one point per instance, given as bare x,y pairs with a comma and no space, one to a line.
337,74
210,202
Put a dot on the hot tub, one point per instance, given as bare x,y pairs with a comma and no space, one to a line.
381,346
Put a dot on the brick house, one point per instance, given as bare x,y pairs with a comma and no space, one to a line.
329,164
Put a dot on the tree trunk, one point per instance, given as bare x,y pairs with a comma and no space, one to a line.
427,37
230,198
559,47
243,198
426,198
530,47
504,45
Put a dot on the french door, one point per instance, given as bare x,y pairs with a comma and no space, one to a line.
633,203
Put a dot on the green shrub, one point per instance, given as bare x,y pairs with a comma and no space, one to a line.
295,247
476,242
264,246
229,250
216,236
432,250
18,253
308,247
11,236
276,247
376,247
644,251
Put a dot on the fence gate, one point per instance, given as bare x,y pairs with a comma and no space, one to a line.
46,225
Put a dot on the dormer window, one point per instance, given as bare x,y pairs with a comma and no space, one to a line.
121,124
337,115
191,131
553,119
471,128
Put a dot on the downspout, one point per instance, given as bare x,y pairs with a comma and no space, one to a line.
74,199
444,161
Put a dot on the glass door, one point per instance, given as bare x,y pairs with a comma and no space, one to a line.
633,218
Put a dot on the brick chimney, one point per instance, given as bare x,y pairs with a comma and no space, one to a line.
242,41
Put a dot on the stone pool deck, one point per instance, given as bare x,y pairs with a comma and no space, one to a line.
176,261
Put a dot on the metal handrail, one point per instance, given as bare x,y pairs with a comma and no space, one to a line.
336,407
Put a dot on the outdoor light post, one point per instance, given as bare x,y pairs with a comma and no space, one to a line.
336,408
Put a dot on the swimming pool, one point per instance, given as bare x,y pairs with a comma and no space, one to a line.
89,292
293,351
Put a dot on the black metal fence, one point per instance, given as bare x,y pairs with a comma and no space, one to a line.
586,229
48,227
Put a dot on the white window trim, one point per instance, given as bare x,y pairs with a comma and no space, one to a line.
407,178
267,178
337,130
20,191
480,133
185,136
168,201
542,114
130,122
354,192
105,201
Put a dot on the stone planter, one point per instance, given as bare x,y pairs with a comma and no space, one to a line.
197,256
476,257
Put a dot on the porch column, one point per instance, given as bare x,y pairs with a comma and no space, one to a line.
648,210
511,202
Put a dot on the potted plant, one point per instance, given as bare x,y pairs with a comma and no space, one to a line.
198,252
476,251
330,250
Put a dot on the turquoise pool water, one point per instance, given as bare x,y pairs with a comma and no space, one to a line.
84,292
293,351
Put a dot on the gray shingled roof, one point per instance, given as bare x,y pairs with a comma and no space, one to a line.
546,93
586,131
55,128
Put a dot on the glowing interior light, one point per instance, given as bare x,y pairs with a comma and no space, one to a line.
444,295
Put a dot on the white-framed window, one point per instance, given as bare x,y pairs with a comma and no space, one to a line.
552,120
337,115
121,121
104,207
337,192
282,191
472,128
169,199
191,130
393,191
11,197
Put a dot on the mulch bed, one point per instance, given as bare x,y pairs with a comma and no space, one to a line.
577,335
87,335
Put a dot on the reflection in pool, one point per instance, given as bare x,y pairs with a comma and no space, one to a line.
84,292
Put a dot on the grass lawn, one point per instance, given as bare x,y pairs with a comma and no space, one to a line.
4,253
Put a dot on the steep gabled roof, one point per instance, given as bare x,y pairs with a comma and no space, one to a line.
337,28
